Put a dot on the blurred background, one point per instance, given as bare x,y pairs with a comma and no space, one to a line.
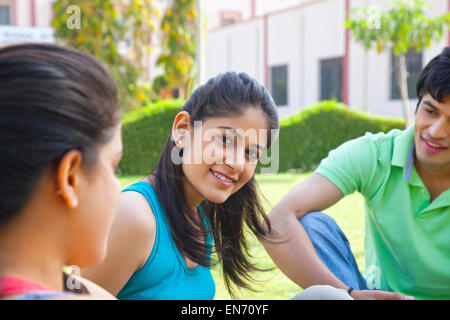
299,49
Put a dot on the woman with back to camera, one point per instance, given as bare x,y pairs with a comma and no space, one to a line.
60,142
167,224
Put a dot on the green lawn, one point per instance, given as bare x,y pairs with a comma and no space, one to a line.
348,213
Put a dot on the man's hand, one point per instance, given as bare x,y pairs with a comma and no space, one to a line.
378,295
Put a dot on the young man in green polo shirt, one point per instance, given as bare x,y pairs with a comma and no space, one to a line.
404,177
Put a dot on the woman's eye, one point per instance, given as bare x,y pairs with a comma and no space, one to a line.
116,170
226,140
253,154
429,111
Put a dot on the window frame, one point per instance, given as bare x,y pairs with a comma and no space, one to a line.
339,98
272,67
9,10
411,83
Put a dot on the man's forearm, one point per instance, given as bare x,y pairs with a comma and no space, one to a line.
292,251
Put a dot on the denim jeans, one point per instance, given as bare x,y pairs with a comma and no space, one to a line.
333,248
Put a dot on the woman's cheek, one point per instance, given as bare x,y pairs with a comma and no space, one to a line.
208,153
246,175
250,170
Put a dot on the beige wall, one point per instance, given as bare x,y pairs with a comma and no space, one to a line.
300,38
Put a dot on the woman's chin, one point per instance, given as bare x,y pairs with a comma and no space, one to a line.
217,198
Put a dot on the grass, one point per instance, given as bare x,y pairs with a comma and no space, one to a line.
274,285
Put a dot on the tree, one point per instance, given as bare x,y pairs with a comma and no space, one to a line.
400,29
178,30
104,26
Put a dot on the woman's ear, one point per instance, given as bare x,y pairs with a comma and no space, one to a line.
181,128
68,178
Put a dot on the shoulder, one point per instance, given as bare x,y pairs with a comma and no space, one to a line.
367,148
135,206
135,218
360,164
382,139
130,243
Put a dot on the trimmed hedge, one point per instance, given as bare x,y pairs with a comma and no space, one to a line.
305,138
144,133
308,136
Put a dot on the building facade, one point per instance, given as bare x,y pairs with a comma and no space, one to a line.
30,21
25,21
301,51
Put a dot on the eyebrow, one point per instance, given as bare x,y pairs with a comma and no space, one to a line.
428,103
259,147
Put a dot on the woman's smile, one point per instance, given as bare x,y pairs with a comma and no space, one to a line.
222,178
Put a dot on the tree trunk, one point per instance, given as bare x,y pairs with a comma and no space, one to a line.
402,84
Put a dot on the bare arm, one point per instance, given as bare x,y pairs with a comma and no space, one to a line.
129,245
296,256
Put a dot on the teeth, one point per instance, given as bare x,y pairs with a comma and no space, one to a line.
433,145
221,177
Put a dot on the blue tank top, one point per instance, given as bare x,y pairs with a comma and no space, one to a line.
165,275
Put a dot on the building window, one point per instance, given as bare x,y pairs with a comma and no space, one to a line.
279,84
229,17
5,15
413,67
331,79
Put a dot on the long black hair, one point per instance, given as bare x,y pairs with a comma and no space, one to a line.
228,94
52,100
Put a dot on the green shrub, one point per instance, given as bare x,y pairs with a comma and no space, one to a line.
305,138
144,133
308,136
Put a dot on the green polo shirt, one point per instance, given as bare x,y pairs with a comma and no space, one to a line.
407,238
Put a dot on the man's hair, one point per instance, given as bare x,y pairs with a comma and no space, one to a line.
435,78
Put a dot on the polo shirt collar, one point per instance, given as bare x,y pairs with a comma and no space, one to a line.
403,156
403,148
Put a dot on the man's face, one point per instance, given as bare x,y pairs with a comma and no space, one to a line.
432,132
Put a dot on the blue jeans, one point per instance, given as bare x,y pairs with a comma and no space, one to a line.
333,248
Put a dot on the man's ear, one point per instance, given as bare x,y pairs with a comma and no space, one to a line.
68,177
181,128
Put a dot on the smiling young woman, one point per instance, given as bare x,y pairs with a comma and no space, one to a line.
202,195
